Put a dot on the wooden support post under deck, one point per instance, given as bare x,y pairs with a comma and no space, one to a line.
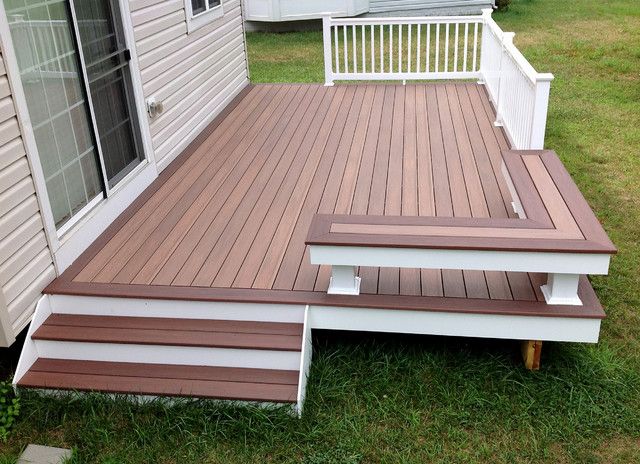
531,350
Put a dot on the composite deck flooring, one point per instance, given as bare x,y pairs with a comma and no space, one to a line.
234,211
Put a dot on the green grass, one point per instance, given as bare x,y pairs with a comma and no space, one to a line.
404,399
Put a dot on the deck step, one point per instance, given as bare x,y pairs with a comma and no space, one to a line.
275,336
224,383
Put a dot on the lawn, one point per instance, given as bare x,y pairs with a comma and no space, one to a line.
427,399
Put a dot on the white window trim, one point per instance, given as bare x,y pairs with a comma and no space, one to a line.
195,22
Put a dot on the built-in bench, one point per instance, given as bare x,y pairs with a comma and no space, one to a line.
555,233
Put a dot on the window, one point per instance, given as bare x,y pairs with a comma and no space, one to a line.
201,12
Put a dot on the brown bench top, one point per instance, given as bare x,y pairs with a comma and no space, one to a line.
558,218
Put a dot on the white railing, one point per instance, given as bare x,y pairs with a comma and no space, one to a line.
401,48
519,93
443,47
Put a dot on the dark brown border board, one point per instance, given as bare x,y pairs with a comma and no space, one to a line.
557,221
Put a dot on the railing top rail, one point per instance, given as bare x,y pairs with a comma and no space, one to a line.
507,40
526,67
405,20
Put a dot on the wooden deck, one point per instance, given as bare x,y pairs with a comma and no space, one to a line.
229,218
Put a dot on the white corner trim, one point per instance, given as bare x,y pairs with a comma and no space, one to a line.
7,334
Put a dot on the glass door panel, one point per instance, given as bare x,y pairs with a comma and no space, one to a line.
107,63
49,70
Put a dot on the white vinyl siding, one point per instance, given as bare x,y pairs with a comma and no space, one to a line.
195,75
26,264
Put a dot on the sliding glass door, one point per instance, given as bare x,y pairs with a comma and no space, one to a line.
107,63
79,98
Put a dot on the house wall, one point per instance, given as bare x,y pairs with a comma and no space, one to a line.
193,74
26,264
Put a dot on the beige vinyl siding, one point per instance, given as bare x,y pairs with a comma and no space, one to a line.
26,264
195,75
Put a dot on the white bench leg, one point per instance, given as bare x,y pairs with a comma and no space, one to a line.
562,289
344,281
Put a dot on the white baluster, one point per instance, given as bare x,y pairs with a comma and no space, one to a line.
335,34
437,52
399,48
446,47
455,50
428,48
466,43
390,48
354,39
409,49
364,64
373,47
381,48
475,46
346,53
418,49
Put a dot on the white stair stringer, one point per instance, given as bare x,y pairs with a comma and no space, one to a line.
29,353
305,362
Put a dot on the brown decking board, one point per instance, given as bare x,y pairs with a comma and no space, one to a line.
549,188
228,383
228,220
176,332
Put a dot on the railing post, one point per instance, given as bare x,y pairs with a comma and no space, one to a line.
507,39
540,106
486,17
326,40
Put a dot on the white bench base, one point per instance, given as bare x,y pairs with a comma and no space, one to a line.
562,289
344,281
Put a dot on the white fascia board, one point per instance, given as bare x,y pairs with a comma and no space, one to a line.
481,260
561,329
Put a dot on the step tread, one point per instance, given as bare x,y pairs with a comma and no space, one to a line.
108,329
240,384
175,371
170,323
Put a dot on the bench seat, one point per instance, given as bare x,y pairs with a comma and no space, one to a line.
555,232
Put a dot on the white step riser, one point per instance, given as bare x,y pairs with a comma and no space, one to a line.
159,354
104,306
